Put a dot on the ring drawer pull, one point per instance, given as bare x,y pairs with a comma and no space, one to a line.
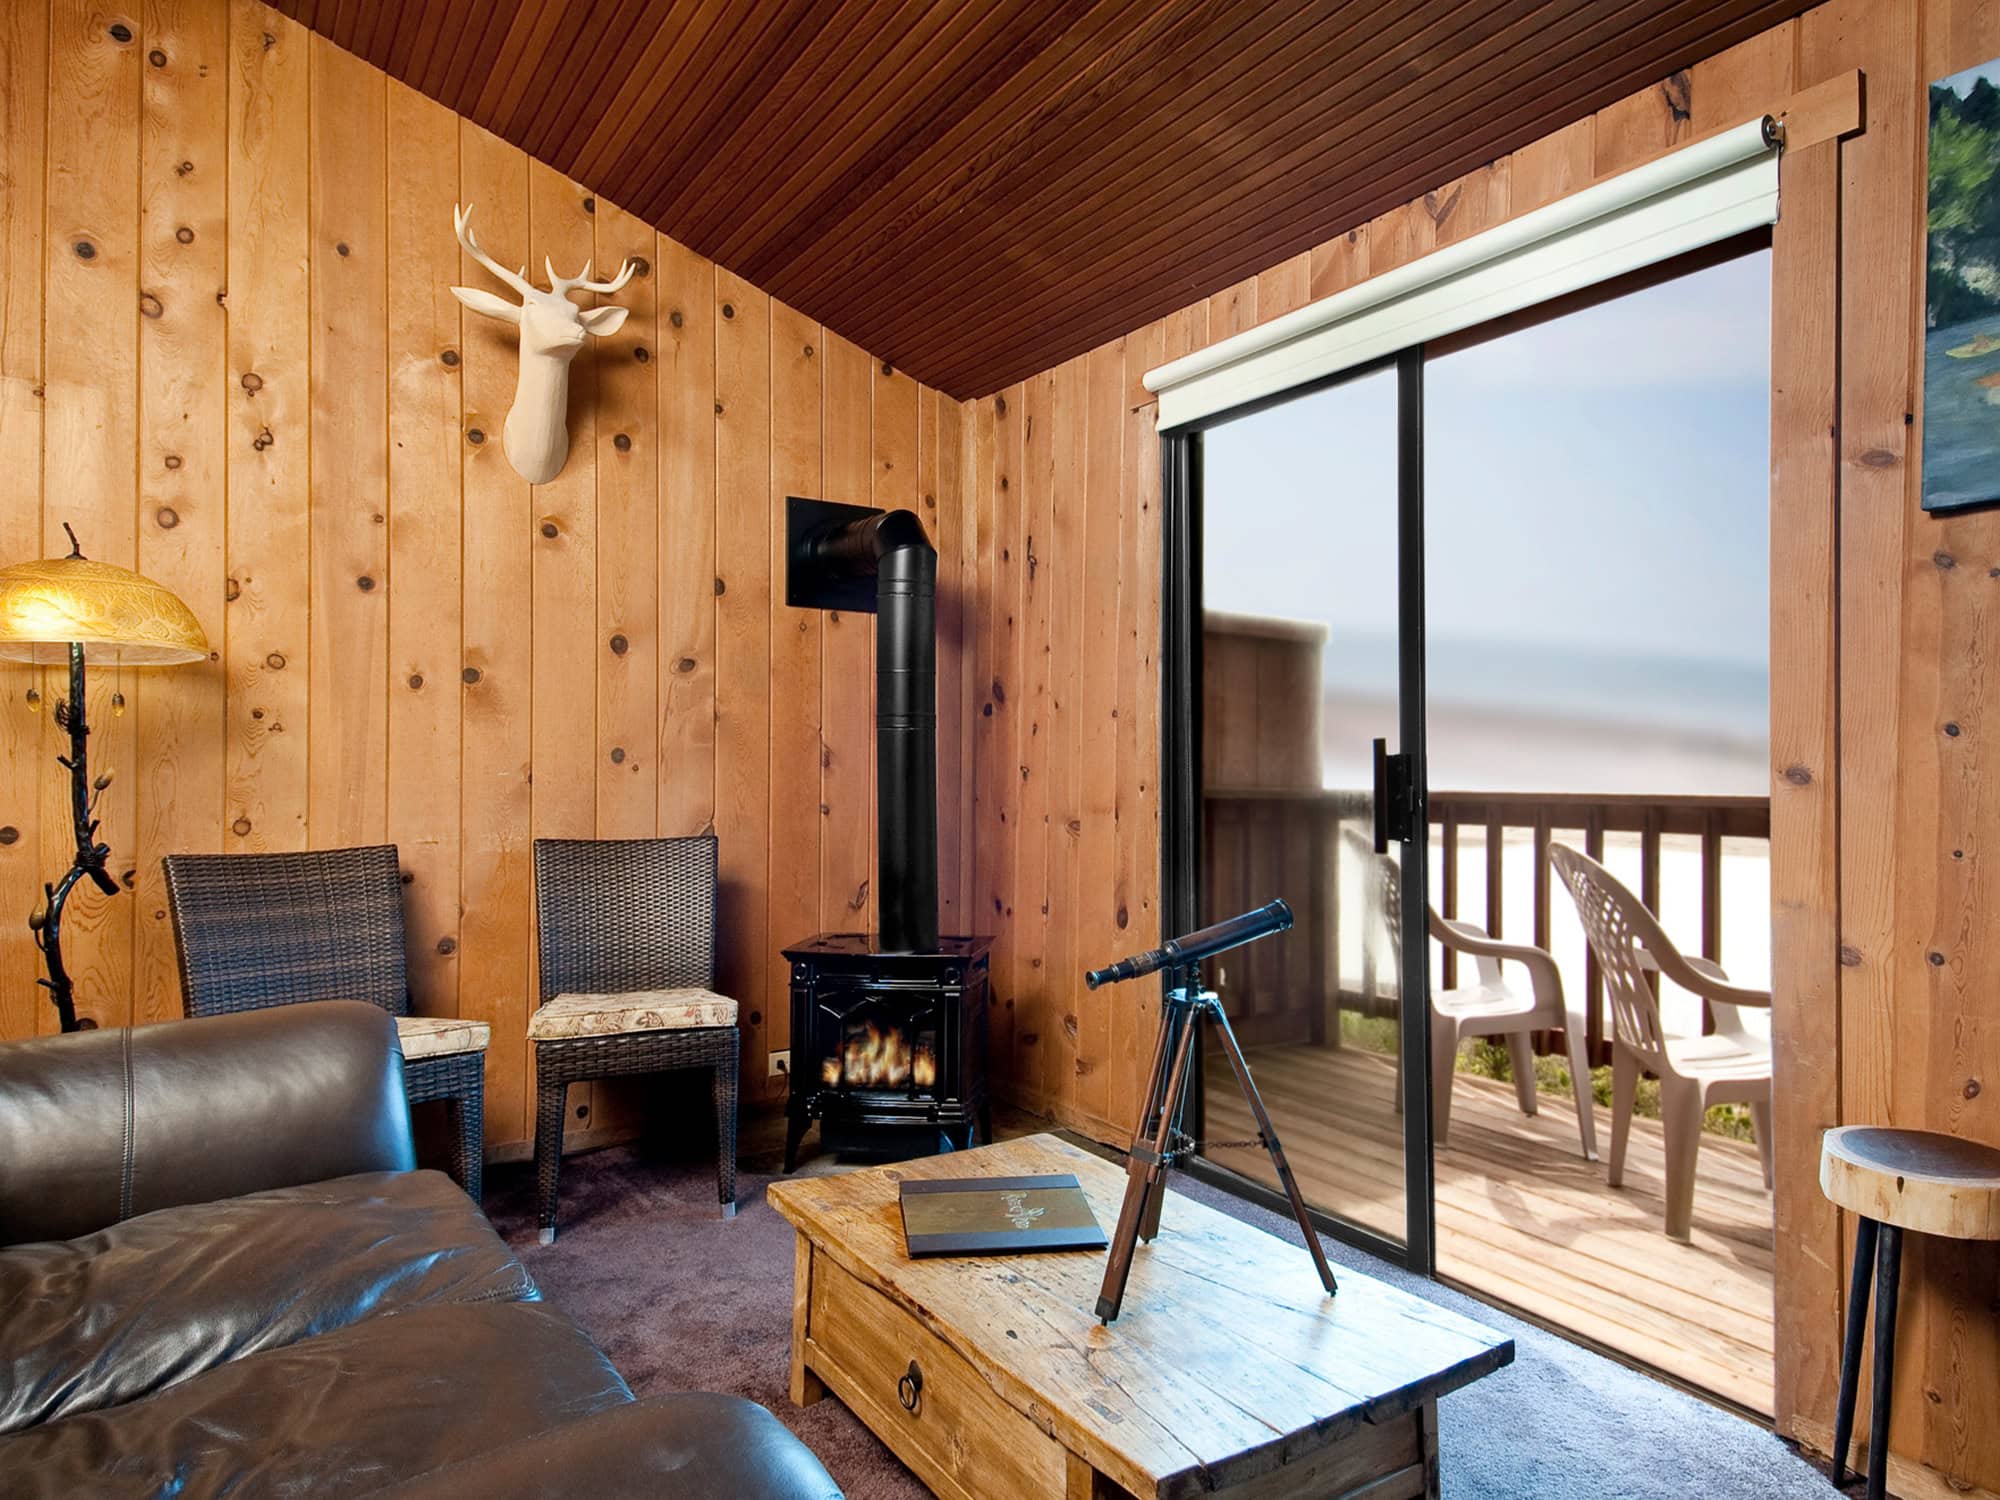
910,1387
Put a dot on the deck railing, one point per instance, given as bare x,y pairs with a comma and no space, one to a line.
1259,841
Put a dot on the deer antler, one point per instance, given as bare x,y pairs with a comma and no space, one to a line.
562,286
461,222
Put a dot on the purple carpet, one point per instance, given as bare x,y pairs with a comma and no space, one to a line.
683,1300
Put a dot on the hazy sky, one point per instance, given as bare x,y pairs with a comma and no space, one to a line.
1599,482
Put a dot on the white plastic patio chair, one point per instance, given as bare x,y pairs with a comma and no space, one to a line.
1516,990
1732,1066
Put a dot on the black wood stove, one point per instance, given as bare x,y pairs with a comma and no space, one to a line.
888,1028
888,1049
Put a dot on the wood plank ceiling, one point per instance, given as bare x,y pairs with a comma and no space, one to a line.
979,189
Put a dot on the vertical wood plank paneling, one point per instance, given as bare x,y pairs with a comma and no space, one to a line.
265,654
183,345
1100,649
348,729
955,445
626,647
743,648
1642,126
1012,602
1284,288
91,260
847,727
1879,197
892,473
687,540
628,531
1333,267
1062,892
1805,914
565,728
1746,81
1944,894
945,480
1233,309
1133,1012
1031,901
24,74
496,677
1553,167
1469,204
992,827
943,528
426,565
795,676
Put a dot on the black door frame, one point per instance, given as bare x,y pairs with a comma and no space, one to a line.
1180,772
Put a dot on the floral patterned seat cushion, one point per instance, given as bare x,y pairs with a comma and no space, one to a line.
569,1016
440,1036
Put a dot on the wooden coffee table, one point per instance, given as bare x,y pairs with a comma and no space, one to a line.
1231,1372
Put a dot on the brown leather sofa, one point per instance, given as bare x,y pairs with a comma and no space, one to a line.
220,1274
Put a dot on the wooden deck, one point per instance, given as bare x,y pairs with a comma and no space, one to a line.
1523,1220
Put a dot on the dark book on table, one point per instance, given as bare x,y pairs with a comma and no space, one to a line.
998,1216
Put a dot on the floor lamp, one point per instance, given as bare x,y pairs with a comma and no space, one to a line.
60,611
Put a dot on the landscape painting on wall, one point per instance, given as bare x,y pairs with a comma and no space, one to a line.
1962,293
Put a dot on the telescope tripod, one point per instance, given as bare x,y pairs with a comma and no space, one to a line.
1161,1141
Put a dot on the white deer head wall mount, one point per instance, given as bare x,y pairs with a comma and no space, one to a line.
552,330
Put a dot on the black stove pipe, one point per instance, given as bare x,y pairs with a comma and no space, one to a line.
894,549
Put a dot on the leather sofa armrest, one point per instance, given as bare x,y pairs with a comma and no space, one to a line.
99,1126
696,1445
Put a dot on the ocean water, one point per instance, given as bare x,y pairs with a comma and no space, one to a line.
1524,717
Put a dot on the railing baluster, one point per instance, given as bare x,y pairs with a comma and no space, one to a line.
1649,863
1448,891
1542,878
1649,876
1495,892
1546,1040
1593,973
1371,919
1711,904
1317,997
1331,975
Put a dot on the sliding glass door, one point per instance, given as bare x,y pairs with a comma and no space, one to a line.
1299,663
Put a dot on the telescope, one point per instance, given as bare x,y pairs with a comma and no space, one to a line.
1161,1141
1196,946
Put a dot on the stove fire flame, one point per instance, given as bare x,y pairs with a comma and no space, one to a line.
873,1056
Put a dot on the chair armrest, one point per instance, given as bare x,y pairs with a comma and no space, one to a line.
1707,979
1467,938
99,1126
695,1445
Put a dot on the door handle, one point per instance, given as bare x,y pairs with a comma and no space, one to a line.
1395,798
1381,798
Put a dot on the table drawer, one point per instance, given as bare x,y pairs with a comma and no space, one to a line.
962,1438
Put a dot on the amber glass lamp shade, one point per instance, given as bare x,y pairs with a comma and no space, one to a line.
118,616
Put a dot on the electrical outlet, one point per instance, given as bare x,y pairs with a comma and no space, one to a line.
779,1065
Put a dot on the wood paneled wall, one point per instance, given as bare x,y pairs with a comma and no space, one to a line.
1888,963
230,356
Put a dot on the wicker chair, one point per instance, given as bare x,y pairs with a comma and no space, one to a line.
627,947
255,930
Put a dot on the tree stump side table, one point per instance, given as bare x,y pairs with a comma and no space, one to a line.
1893,1180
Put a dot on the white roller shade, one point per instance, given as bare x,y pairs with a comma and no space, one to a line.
1696,196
